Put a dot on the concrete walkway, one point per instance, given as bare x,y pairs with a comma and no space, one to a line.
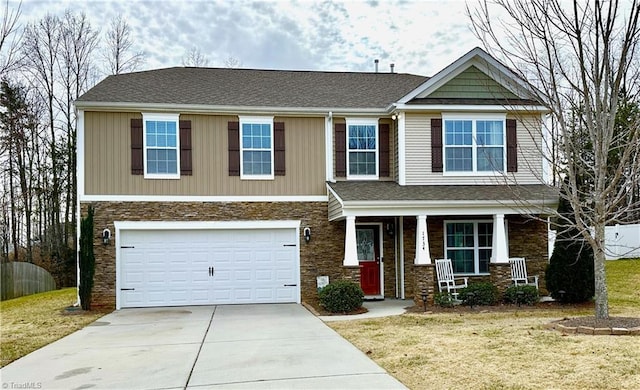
385,308
230,347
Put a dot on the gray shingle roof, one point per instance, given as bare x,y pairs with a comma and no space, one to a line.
391,191
254,88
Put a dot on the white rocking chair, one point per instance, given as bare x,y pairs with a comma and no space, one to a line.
519,273
444,272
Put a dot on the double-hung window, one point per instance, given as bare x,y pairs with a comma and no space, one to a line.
474,144
161,146
362,148
468,245
256,148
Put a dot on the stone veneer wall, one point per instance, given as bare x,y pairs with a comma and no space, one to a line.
527,238
321,256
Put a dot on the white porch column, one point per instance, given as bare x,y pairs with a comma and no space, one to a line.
422,241
499,250
350,244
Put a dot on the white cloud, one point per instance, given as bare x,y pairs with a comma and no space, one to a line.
418,36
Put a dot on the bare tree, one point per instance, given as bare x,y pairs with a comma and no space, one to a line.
194,57
232,62
118,52
577,57
9,39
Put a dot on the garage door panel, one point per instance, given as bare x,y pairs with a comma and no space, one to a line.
171,268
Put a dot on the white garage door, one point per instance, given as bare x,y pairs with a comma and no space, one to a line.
201,267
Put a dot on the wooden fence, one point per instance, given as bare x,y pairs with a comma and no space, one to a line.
18,279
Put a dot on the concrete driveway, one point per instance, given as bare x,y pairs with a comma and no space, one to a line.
231,347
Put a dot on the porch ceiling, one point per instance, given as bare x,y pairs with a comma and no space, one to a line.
389,198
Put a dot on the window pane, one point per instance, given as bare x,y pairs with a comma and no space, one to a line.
362,163
364,244
485,234
458,132
490,159
462,260
483,261
162,161
256,163
362,137
489,132
458,159
460,235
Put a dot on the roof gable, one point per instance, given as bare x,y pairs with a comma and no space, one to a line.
476,63
472,83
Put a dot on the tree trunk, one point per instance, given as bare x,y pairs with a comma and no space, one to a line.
602,296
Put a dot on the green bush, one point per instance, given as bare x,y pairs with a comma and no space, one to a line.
570,274
480,293
443,299
341,297
529,295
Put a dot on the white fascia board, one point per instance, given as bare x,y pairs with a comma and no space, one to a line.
212,199
229,110
391,208
205,225
471,108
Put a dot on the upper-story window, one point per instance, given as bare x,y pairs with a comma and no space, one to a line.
161,146
362,148
256,147
474,144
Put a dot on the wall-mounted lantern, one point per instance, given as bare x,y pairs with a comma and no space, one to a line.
307,234
106,237
391,230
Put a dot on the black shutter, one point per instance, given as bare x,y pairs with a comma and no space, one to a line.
340,130
234,148
383,150
436,145
137,163
279,150
185,148
512,146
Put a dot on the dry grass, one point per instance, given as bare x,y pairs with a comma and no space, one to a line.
31,322
505,350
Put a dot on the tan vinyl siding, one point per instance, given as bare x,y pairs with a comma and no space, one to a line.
472,84
418,154
108,160
335,209
418,148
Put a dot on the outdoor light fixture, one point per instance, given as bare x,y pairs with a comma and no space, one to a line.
307,234
424,296
106,236
390,229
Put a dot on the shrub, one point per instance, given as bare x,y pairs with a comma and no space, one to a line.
443,299
570,268
484,294
341,297
529,295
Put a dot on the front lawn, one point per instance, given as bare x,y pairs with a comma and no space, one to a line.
506,349
31,322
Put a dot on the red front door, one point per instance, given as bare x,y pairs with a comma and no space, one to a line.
367,238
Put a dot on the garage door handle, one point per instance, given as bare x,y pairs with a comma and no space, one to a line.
127,289
290,285
212,271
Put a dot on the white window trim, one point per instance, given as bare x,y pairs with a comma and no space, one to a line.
368,122
260,120
474,146
162,117
476,247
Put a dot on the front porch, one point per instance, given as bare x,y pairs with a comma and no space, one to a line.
402,239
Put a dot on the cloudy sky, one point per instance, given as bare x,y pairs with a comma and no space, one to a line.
419,37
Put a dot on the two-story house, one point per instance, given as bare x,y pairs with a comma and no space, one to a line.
227,186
